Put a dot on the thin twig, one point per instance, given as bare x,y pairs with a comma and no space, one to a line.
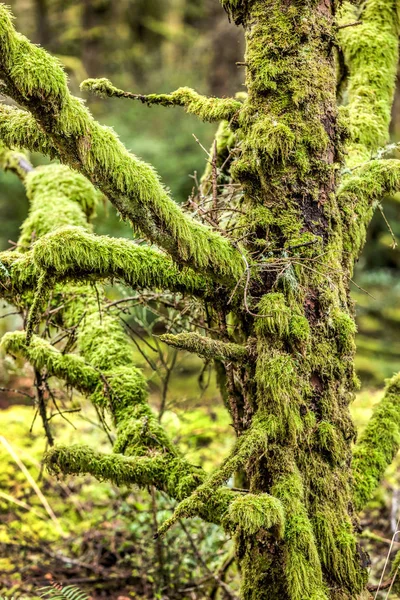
354,24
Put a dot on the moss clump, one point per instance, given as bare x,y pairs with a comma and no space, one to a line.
345,330
299,329
276,377
274,315
252,512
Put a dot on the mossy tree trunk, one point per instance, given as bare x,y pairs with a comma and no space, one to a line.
272,273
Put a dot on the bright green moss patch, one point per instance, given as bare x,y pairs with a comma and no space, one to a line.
371,54
274,315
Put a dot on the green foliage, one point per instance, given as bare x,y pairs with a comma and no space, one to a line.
59,592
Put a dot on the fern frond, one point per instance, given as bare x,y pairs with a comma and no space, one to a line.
58,592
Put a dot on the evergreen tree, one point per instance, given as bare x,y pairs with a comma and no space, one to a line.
282,211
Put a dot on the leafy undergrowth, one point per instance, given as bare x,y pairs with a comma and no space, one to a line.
100,538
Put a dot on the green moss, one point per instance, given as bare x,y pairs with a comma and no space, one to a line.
359,195
42,355
132,185
206,347
345,330
277,380
299,329
15,162
303,569
274,315
290,407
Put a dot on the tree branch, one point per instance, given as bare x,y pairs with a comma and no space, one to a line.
371,56
132,186
206,347
378,445
15,162
105,371
358,197
207,109
91,257
169,474
40,354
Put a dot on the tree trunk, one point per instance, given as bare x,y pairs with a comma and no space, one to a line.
304,375
96,19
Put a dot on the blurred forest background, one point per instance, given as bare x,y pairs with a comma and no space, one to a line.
92,534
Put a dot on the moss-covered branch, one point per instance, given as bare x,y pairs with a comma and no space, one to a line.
206,108
19,129
124,470
105,370
358,197
37,82
206,347
172,475
40,354
91,257
378,445
371,55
